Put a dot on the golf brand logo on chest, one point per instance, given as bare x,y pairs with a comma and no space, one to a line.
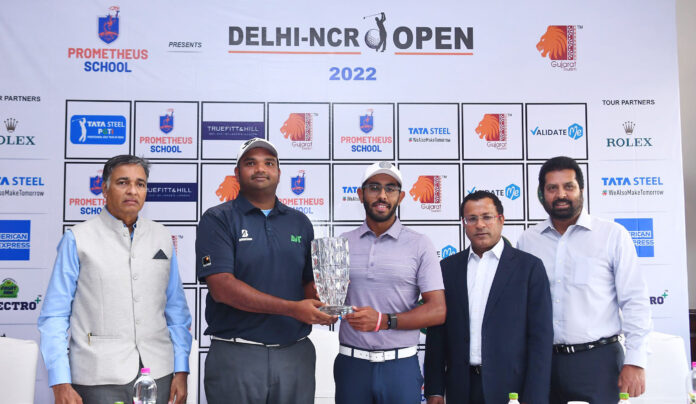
245,236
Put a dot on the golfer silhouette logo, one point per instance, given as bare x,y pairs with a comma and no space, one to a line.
377,38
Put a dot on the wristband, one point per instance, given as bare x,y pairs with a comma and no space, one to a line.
379,321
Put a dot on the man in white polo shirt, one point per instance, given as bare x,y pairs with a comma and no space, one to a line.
597,291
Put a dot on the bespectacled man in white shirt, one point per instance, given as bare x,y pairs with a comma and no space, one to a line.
597,289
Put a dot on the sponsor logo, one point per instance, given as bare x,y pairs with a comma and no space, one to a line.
11,125
659,300
419,134
297,184
98,129
245,236
10,290
108,26
15,240
221,130
228,189
107,60
512,191
15,140
299,129
95,184
303,204
367,121
559,44
295,239
574,131
206,261
350,194
366,144
374,36
629,141
428,191
166,121
493,128
21,186
641,231
172,192
166,143
632,186
90,206
446,251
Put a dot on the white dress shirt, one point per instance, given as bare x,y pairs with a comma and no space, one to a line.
479,278
597,288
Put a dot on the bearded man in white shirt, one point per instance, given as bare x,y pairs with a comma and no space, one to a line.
597,290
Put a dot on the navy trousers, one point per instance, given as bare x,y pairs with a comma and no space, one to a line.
396,381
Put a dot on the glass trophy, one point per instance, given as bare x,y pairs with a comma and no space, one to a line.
330,264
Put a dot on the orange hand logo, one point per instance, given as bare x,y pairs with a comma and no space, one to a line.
489,128
424,189
229,189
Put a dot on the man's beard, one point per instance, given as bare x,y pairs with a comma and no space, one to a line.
574,207
378,218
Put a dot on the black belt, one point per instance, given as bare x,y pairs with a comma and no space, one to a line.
569,349
475,369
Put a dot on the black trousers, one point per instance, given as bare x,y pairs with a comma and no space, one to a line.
590,376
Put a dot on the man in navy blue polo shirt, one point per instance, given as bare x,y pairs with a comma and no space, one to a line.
254,254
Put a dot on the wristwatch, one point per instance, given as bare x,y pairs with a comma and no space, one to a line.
391,321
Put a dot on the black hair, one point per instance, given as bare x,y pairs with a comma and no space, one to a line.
478,195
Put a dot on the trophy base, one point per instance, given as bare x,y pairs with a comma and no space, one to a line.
336,310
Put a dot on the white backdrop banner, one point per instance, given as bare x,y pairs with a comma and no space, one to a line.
461,95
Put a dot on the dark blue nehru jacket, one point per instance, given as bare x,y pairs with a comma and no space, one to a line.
269,253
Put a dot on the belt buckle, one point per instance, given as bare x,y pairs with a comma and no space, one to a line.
377,356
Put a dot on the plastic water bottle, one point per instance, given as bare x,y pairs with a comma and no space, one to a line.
145,389
513,398
623,398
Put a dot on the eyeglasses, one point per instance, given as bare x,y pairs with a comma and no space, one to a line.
376,189
487,219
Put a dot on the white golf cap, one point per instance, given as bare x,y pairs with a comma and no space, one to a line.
254,143
382,167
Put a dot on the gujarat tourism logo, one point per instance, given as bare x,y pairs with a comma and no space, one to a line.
559,43
108,26
166,121
297,184
228,189
493,128
428,191
299,129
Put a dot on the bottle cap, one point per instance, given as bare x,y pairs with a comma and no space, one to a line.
145,371
118,402
623,396
513,396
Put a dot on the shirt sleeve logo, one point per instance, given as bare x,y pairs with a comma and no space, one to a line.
295,239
